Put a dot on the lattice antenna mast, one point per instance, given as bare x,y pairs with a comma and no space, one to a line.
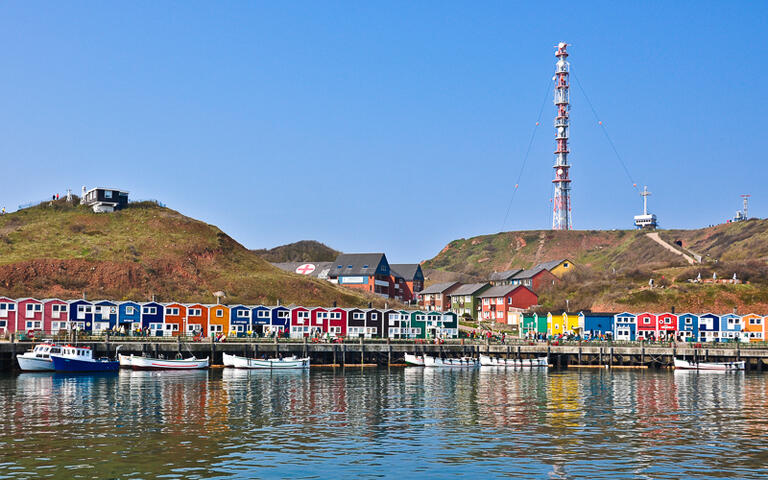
561,212
746,206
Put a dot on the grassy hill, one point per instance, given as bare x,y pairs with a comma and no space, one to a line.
614,267
60,250
302,251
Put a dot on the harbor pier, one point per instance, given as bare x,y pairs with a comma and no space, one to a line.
378,352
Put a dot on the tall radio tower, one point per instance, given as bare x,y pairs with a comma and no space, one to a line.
561,213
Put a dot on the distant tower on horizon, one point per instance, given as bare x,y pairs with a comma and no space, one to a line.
744,214
561,211
646,220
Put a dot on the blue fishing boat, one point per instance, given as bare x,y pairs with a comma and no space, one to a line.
80,359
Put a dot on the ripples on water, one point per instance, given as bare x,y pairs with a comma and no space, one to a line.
406,423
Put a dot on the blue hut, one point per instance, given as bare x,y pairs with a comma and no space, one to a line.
260,319
730,327
153,317
709,327
596,324
625,326
129,316
281,318
104,315
81,315
688,327
239,320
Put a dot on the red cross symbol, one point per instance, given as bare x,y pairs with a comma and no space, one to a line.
305,269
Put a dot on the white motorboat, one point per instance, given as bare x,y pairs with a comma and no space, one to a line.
269,363
488,361
466,362
412,359
39,358
149,363
715,366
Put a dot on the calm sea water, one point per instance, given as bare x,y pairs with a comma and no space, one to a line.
406,423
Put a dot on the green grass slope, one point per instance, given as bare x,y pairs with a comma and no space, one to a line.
59,250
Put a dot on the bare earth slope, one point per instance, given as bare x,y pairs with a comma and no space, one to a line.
58,250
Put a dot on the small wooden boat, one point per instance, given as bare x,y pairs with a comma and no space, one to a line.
229,360
148,363
417,360
39,358
269,363
488,361
80,359
465,362
715,366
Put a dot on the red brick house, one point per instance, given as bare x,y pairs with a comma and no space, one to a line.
437,297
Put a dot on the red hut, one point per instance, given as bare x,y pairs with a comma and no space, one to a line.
647,327
300,322
55,315
667,325
7,315
29,317
337,322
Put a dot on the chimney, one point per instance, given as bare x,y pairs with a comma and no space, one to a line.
370,304
735,310
334,304
84,295
278,302
672,310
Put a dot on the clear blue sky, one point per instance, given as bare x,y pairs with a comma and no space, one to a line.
384,126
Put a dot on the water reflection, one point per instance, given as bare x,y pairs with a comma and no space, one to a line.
378,422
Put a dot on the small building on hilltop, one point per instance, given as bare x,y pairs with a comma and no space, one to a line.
364,271
104,199
437,297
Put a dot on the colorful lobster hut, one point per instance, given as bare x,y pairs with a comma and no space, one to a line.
55,315
197,319
239,320
105,314
81,315
730,328
153,318
667,326
175,319
709,327
647,327
129,317
625,327
688,327
30,317
754,328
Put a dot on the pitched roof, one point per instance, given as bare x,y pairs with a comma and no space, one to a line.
550,264
357,264
530,273
405,270
500,290
468,289
506,275
438,288
321,268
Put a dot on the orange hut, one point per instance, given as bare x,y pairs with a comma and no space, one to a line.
175,315
753,328
218,319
